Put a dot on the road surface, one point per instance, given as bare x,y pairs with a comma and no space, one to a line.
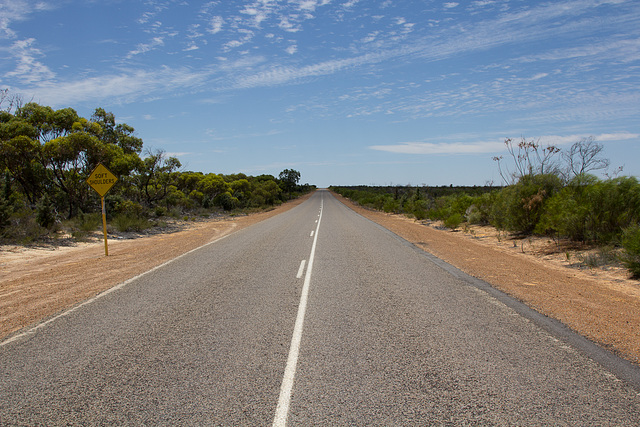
314,317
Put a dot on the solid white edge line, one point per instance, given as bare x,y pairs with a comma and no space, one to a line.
301,269
282,410
102,294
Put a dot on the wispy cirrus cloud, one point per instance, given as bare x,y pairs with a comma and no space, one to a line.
19,10
626,50
507,28
156,7
535,23
28,69
127,86
11,11
258,13
156,42
245,37
283,75
291,49
570,139
215,24
350,4
266,71
493,146
441,147
214,135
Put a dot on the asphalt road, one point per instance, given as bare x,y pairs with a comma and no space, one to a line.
314,317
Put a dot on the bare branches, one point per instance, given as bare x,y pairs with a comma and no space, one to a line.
528,159
10,102
584,157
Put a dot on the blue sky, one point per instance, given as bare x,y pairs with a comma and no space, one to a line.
345,91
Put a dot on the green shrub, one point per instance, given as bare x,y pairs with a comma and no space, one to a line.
129,208
615,205
445,207
5,213
480,211
439,209
518,208
371,200
128,222
257,200
473,214
566,214
459,203
83,224
498,216
45,216
6,208
391,206
23,227
453,221
174,213
631,245
420,214
87,222
592,210
418,208
226,201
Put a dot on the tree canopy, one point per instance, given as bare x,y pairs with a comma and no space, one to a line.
46,156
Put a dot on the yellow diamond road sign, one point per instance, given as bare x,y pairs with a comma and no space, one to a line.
101,179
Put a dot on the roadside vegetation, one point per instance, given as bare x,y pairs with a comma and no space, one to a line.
545,192
46,156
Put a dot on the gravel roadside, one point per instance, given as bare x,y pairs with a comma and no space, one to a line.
602,307
36,284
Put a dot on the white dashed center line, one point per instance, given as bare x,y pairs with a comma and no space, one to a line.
301,269
282,410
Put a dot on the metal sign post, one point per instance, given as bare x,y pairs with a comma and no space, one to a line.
101,180
104,226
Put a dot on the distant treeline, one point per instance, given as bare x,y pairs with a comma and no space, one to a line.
543,197
46,156
424,191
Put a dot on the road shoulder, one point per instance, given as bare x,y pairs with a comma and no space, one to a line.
605,312
37,284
